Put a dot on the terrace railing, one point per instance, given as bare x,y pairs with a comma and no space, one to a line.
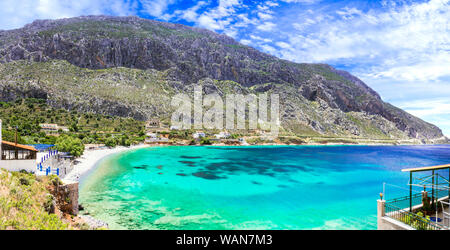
398,209
403,202
411,219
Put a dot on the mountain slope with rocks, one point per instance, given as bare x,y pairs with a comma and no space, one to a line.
131,67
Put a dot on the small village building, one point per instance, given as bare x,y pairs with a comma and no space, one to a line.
17,157
174,127
222,135
64,129
151,124
152,136
50,128
198,135
155,138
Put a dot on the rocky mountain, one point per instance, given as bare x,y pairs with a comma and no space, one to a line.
129,66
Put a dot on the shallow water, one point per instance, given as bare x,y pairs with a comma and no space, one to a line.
261,187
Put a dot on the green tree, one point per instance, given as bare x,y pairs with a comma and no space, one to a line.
110,142
74,127
10,136
66,143
124,141
205,141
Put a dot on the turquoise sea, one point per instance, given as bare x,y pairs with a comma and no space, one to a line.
261,187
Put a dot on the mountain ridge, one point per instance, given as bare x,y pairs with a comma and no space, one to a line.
314,96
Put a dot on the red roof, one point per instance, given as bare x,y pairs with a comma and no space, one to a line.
20,146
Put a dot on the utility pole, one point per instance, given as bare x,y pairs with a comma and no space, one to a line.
16,150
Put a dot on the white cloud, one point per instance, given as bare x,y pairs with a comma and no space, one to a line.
268,48
258,38
402,50
428,107
156,8
245,41
428,100
190,14
264,16
216,19
301,1
266,26
436,111
283,45
17,13
411,42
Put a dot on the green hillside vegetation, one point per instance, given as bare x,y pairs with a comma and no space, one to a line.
118,30
132,67
27,114
23,203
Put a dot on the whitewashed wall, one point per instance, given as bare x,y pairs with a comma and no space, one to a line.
17,165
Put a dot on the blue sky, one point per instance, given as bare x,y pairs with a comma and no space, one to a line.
399,48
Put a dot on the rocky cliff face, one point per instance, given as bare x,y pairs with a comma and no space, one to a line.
169,58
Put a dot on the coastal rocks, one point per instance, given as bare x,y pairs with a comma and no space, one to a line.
93,223
66,197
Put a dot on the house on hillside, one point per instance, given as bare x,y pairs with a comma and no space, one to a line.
173,127
52,128
151,124
198,135
222,135
155,138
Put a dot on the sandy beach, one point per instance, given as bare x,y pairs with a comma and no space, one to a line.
90,158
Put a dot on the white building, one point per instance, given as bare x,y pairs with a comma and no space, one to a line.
174,127
155,138
198,135
52,128
151,138
152,124
17,157
222,135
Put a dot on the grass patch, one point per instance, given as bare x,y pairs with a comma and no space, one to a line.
25,202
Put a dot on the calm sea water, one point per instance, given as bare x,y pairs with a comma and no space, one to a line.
264,187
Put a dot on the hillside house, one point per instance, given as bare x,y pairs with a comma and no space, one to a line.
198,135
152,124
50,128
155,138
16,157
222,135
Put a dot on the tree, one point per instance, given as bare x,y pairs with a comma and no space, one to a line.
71,145
74,127
205,141
10,136
111,142
124,141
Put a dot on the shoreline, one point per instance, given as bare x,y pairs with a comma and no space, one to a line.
305,144
90,158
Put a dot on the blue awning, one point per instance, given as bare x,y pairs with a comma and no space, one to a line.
42,147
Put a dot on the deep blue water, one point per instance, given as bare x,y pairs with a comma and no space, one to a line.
263,187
